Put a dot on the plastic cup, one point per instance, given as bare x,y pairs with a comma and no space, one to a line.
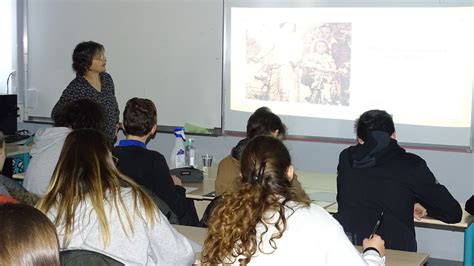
207,160
206,164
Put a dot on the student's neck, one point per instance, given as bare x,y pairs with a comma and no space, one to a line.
142,139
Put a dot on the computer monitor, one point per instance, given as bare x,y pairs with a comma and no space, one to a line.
8,113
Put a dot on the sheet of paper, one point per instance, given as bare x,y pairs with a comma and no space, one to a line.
190,189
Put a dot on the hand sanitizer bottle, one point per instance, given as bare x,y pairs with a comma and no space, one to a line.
177,158
190,153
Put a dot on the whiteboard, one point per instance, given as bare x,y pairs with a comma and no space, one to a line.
169,51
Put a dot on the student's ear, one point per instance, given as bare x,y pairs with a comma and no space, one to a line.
275,133
290,173
394,135
360,141
153,129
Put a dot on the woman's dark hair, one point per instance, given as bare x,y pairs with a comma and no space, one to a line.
83,113
264,122
28,237
265,187
373,120
83,55
139,117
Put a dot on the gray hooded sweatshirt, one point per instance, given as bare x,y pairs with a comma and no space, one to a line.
48,143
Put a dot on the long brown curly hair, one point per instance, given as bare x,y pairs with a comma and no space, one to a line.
265,186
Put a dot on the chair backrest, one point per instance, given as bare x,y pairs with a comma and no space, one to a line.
208,212
81,257
164,208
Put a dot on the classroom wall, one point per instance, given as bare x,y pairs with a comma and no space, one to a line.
453,169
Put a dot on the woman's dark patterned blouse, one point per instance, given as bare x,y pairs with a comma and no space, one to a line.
80,88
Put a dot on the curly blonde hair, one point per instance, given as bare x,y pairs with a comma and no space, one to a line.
265,187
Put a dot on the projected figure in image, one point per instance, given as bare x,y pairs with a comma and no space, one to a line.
319,74
307,63
326,65
275,76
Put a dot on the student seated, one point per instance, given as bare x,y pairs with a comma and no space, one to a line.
95,207
377,175
261,122
268,221
3,155
10,190
27,237
48,142
147,167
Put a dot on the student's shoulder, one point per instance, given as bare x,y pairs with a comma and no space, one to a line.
345,153
413,160
311,212
157,155
228,160
314,218
135,151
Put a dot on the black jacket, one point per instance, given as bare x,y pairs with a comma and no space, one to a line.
381,176
149,169
470,205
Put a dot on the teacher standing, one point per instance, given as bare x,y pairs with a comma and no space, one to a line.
92,82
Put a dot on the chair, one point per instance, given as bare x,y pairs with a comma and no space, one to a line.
208,212
81,257
164,208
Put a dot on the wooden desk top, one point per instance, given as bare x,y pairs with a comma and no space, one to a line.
203,189
12,150
392,257
429,222
317,182
312,182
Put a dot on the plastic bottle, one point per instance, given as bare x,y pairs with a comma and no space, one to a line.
177,158
190,153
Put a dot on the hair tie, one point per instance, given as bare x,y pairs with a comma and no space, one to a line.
261,171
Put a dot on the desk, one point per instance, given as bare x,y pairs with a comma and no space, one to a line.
466,225
203,189
393,257
312,182
13,150
202,195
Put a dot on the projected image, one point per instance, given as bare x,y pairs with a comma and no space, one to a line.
296,62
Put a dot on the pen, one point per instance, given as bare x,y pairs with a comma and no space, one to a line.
377,225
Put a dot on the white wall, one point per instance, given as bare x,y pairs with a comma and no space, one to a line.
6,45
453,169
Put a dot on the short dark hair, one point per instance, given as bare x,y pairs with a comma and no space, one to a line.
373,120
264,122
83,55
2,140
82,113
139,117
